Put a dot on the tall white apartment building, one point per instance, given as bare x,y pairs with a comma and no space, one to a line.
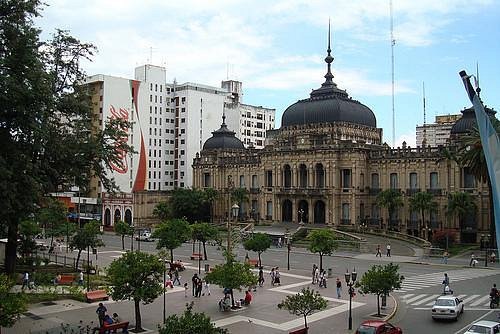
437,133
195,111
249,122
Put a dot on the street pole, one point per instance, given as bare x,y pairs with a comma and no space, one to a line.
88,268
164,292
199,258
289,246
350,279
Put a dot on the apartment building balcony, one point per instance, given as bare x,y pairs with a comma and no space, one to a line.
254,190
435,191
374,191
302,191
372,222
412,191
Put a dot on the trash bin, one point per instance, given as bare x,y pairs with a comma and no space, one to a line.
207,267
329,272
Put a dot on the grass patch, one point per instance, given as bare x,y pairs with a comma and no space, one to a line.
457,249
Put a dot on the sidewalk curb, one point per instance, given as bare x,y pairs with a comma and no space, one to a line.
393,313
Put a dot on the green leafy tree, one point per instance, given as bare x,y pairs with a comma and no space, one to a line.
188,204
190,322
123,229
391,199
28,229
46,125
86,237
304,303
380,280
423,202
460,204
162,211
171,234
52,216
67,228
136,276
12,305
204,232
210,195
232,275
258,242
322,242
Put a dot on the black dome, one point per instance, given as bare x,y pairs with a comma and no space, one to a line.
223,139
468,120
328,104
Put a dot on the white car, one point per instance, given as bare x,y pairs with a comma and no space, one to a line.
484,327
447,307
144,236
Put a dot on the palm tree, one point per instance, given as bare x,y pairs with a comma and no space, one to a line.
423,202
459,205
471,154
390,199
239,196
211,195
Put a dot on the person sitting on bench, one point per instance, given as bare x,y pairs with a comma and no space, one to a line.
225,303
248,298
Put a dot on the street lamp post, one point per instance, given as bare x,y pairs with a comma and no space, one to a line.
234,210
485,239
289,247
164,291
350,279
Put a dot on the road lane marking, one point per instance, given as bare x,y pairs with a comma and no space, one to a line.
480,300
431,297
411,300
467,326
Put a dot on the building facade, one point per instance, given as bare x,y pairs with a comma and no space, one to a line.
437,133
326,165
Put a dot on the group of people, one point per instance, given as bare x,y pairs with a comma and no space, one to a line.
198,285
275,276
225,302
379,252
106,319
319,276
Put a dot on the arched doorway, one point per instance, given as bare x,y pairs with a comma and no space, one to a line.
286,211
302,176
303,211
319,212
287,176
128,217
118,216
107,217
320,176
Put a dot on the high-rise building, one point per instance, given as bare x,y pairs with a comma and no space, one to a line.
437,133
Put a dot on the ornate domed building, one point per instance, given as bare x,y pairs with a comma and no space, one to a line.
327,163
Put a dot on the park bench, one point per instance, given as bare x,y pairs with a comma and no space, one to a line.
66,279
196,256
114,327
93,296
253,262
299,331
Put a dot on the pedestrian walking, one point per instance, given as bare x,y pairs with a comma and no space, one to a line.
261,277
446,285
279,243
388,250
273,276
199,287
379,253
322,279
101,313
339,287
206,288
313,274
26,281
80,278
194,281
176,277
277,276
316,275
185,289
445,257
472,262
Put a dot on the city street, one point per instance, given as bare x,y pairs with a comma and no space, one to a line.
421,286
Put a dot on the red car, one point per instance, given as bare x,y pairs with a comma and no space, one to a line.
377,327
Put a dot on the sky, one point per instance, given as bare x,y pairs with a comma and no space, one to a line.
277,49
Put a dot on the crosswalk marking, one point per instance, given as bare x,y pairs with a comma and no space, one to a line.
411,300
423,281
421,301
468,299
480,301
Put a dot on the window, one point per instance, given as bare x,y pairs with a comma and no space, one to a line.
287,176
207,182
303,176
183,120
269,178
375,182
345,178
320,176
413,181
469,180
254,181
183,100
345,211
361,180
434,182
375,211
242,181
394,180
269,209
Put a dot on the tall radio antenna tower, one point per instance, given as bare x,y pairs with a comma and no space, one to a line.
393,42
424,140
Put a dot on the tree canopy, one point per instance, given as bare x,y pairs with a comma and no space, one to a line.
391,199
171,234
460,204
86,237
49,140
192,205
204,232
28,229
322,242
123,229
304,303
190,322
137,276
12,305
258,242
423,202
380,280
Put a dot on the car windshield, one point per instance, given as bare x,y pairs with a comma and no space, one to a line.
479,329
445,302
366,330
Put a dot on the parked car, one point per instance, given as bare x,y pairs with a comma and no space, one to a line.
447,307
484,327
144,236
377,327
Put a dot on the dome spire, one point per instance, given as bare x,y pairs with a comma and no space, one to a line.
328,60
